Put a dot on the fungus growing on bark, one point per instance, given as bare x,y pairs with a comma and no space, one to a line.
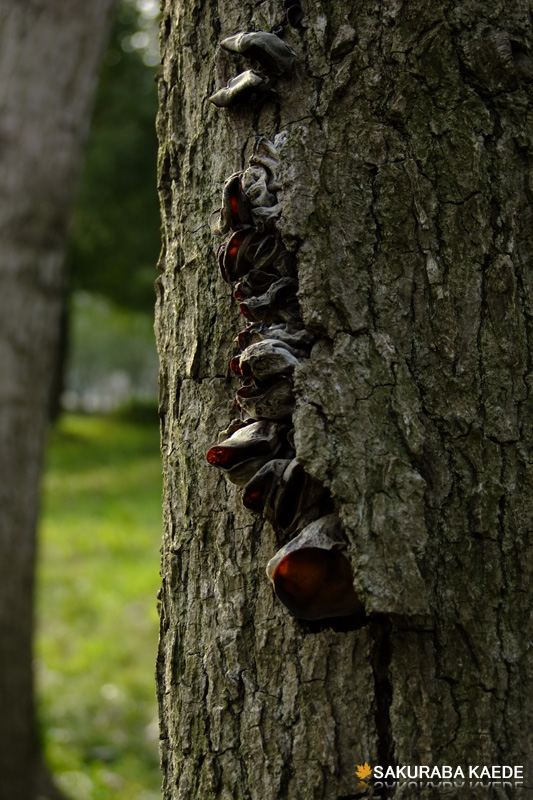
278,304
235,210
234,255
265,360
247,249
254,440
254,283
270,402
260,491
265,154
265,48
283,492
312,577
256,184
238,89
293,334
299,498
267,249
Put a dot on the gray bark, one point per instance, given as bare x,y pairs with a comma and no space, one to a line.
406,196
49,57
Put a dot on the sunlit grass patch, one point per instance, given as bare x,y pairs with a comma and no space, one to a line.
98,576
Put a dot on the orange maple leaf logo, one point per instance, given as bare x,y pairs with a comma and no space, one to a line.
363,771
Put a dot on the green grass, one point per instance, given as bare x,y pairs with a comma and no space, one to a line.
98,576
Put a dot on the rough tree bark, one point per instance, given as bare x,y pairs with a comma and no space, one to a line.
49,56
406,189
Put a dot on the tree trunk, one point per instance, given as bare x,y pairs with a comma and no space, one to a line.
49,57
405,186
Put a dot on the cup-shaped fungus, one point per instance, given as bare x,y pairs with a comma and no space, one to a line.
312,576
260,491
265,48
278,304
264,216
235,256
256,186
265,154
246,450
234,212
299,497
293,334
255,283
270,402
267,359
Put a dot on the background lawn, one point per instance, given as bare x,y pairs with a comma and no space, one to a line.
98,577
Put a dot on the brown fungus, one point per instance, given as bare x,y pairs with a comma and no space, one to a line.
251,441
278,304
260,491
247,249
268,249
293,334
255,283
265,155
271,402
283,492
235,212
242,472
299,498
238,89
255,184
234,256
312,576
266,360
265,48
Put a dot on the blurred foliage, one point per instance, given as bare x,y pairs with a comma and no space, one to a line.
97,621
115,228
112,356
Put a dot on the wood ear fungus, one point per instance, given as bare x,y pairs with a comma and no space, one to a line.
234,256
299,498
246,449
278,304
235,212
295,335
270,402
255,283
283,492
255,182
266,360
266,48
312,576
238,89
256,439
265,155
260,491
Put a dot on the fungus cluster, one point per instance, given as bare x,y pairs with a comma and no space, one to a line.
310,573
272,56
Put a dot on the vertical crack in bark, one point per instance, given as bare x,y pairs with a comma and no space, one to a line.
381,628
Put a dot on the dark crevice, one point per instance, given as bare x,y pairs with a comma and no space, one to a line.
380,628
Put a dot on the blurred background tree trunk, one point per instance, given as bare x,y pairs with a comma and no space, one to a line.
406,195
50,52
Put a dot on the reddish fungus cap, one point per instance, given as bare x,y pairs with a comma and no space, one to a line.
315,584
